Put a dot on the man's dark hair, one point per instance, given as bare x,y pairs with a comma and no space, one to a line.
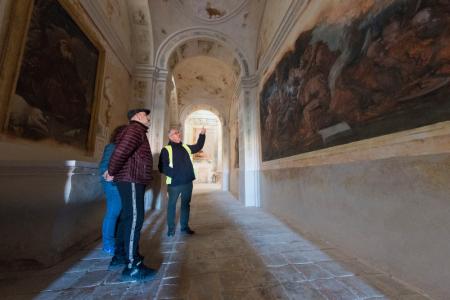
115,135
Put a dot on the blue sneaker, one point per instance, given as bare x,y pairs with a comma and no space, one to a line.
109,250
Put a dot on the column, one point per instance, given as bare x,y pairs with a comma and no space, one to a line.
225,157
250,147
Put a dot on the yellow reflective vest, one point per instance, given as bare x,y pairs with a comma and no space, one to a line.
170,152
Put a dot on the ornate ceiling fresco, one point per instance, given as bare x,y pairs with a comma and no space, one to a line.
204,78
204,71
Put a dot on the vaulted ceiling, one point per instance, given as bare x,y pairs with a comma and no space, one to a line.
206,70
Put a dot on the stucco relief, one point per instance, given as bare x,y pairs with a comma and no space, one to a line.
108,101
139,18
140,89
274,14
117,16
112,8
143,38
143,58
383,72
211,10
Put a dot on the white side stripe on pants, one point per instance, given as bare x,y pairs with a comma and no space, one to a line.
133,225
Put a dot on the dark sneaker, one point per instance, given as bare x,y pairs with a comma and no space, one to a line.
117,262
140,257
187,231
138,273
170,232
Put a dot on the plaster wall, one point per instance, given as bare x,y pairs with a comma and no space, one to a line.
142,39
52,201
393,213
116,13
234,183
384,200
274,12
48,210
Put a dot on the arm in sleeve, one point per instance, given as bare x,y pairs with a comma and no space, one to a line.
103,166
200,143
163,164
124,149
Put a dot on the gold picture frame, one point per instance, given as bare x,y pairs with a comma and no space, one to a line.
50,89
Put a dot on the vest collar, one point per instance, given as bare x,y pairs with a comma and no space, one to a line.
175,144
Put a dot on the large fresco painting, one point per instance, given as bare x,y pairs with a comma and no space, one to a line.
56,87
383,72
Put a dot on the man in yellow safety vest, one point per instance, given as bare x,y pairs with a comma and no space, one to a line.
176,163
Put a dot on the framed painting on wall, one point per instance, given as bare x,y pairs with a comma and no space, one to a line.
56,87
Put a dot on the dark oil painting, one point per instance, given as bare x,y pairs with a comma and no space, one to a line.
55,90
383,72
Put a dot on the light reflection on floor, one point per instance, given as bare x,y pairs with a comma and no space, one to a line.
237,253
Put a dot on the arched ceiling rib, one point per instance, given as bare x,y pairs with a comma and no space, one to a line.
203,77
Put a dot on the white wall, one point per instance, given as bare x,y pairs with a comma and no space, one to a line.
392,213
384,200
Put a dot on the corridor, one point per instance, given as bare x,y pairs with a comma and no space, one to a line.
236,253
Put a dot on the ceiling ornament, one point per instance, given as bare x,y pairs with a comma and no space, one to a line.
211,11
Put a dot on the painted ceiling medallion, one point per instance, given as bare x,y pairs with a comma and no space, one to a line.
212,10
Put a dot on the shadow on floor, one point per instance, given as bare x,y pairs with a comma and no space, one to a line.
236,253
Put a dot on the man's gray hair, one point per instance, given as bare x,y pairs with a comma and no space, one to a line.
170,130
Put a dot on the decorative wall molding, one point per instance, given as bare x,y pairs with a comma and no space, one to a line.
251,81
67,167
150,72
179,37
100,20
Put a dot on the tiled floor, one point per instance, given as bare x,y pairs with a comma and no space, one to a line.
237,253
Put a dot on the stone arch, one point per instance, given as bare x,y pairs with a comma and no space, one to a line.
177,38
189,109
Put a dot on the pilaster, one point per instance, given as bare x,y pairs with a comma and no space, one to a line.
150,91
250,152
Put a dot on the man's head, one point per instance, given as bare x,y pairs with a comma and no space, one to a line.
175,135
141,115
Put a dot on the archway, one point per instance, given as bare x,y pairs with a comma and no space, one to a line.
204,71
208,164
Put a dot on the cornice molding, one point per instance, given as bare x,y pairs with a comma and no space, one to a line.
250,82
295,10
150,72
112,38
237,89
9,168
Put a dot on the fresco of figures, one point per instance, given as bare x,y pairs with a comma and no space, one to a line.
384,72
